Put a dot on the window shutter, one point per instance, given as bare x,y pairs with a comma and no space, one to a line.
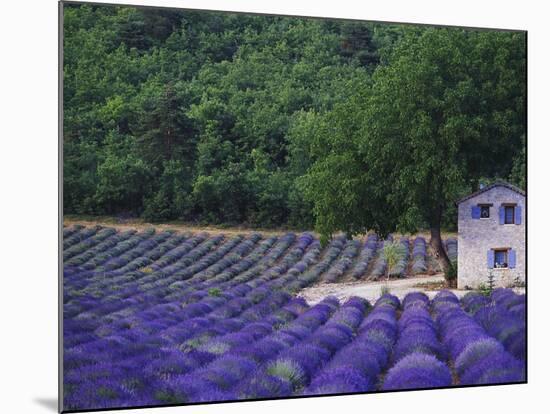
490,259
518,215
512,259
501,214
476,212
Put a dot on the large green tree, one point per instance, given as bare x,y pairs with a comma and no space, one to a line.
217,117
446,109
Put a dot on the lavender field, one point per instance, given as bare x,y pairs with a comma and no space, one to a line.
163,317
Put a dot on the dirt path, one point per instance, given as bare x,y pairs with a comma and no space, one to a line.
371,290
179,226
137,224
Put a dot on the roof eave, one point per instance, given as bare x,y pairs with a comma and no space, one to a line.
489,187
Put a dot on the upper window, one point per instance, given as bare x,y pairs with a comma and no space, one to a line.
509,215
501,258
485,211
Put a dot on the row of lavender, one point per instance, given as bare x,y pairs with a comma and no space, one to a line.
88,251
173,310
322,349
196,324
169,277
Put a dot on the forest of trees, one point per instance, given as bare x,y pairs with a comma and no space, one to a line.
277,121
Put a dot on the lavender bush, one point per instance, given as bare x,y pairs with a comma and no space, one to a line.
365,256
165,317
419,256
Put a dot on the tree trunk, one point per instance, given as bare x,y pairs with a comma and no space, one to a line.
437,245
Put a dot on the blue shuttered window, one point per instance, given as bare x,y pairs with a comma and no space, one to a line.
501,215
476,212
509,215
490,259
500,258
511,259
518,215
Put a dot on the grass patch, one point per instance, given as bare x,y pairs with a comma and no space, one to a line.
146,269
431,286
288,370
214,292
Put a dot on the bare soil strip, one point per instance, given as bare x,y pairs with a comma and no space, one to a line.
370,290
138,224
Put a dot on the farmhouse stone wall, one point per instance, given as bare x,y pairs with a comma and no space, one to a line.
477,236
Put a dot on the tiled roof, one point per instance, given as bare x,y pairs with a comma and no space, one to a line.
497,184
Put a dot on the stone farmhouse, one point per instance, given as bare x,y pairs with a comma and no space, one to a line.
491,236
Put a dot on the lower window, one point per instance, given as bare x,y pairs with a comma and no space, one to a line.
501,258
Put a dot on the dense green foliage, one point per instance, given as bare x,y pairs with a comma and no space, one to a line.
447,110
189,115
233,118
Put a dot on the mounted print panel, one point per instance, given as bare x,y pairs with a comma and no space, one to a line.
263,207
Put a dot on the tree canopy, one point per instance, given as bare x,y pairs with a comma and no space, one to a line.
281,121
187,115
447,109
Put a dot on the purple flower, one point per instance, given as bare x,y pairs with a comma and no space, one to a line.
445,296
262,350
330,338
340,380
309,357
415,298
417,370
383,326
473,301
228,369
358,303
364,357
261,385
503,375
492,367
102,393
170,364
418,341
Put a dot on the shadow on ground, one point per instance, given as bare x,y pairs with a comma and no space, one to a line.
49,403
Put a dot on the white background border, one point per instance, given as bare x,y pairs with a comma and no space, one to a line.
28,203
